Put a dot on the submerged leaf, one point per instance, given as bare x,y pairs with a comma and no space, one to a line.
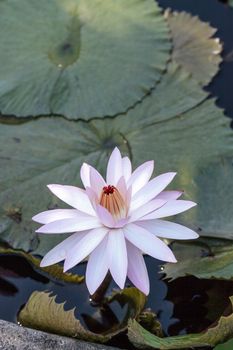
54,272
175,126
208,258
79,58
218,333
44,313
195,49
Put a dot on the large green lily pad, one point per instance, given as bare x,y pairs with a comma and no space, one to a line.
79,58
174,126
194,46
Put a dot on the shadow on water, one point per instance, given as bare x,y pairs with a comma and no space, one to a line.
182,306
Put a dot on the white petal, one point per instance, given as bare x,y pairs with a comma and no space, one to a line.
105,216
146,209
114,168
57,214
70,225
126,168
85,175
97,181
169,195
151,190
117,256
167,229
60,252
92,196
84,247
148,243
141,176
121,186
170,208
137,271
97,266
74,196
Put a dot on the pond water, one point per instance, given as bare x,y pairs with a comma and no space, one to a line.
182,306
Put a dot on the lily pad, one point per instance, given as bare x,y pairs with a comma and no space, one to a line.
226,346
181,134
217,333
44,313
209,258
194,46
55,272
79,58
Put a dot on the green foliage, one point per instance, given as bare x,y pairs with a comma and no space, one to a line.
218,333
79,58
44,313
172,120
194,46
226,346
53,272
209,258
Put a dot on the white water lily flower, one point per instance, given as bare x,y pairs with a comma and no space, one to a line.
115,221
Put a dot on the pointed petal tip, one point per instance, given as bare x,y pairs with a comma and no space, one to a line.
34,218
66,267
43,264
145,291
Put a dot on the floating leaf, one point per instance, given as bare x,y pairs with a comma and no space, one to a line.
44,313
54,272
166,127
226,346
209,258
218,333
210,186
79,58
194,46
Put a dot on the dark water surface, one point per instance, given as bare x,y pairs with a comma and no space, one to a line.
182,306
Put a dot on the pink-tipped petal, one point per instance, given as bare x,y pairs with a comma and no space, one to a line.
84,247
85,175
57,214
141,176
59,252
146,209
97,181
170,208
137,271
114,168
70,225
167,229
105,216
169,195
74,196
117,256
148,243
151,190
97,266
127,168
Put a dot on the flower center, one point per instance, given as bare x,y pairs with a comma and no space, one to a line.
112,200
